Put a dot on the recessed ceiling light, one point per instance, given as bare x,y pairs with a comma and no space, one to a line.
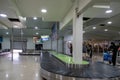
21,75
94,27
6,75
43,10
109,22
36,74
7,33
36,27
105,29
35,18
37,33
108,11
3,15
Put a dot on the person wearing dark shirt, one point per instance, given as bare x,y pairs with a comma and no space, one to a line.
71,48
89,50
113,48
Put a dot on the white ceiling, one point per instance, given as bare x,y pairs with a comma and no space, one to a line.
56,9
98,16
100,12
7,7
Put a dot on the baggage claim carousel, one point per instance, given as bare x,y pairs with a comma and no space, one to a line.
56,66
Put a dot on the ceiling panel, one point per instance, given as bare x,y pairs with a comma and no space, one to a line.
57,9
31,23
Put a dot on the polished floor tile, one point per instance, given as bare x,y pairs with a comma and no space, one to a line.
21,68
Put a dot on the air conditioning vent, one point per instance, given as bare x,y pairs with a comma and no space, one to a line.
13,19
102,24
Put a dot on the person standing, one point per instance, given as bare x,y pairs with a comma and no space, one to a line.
91,53
71,49
89,50
113,48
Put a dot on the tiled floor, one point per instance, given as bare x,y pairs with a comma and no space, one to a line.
24,67
21,68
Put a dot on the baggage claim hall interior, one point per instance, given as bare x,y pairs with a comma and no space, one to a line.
59,39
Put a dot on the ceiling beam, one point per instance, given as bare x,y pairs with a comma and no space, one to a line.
101,22
18,13
4,25
82,5
98,35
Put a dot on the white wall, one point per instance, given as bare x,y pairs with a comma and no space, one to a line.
60,45
6,43
47,45
54,45
30,44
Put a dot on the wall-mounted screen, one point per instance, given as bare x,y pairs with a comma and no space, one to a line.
45,38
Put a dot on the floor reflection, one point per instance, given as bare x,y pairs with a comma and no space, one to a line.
21,68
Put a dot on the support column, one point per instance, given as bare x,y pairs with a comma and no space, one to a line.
77,37
57,35
22,39
12,44
51,43
62,44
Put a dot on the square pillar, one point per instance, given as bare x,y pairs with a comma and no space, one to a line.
77,38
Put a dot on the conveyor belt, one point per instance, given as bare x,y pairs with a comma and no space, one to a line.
97,70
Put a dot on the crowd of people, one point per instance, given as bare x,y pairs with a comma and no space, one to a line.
87,49
113,48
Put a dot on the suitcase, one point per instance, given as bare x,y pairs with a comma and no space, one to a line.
107,56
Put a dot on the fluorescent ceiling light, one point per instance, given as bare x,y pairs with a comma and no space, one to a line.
101,6
108,11
35,18
105,29
36,27
94,27
109,22
15,26
3,15
37,33
43,10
